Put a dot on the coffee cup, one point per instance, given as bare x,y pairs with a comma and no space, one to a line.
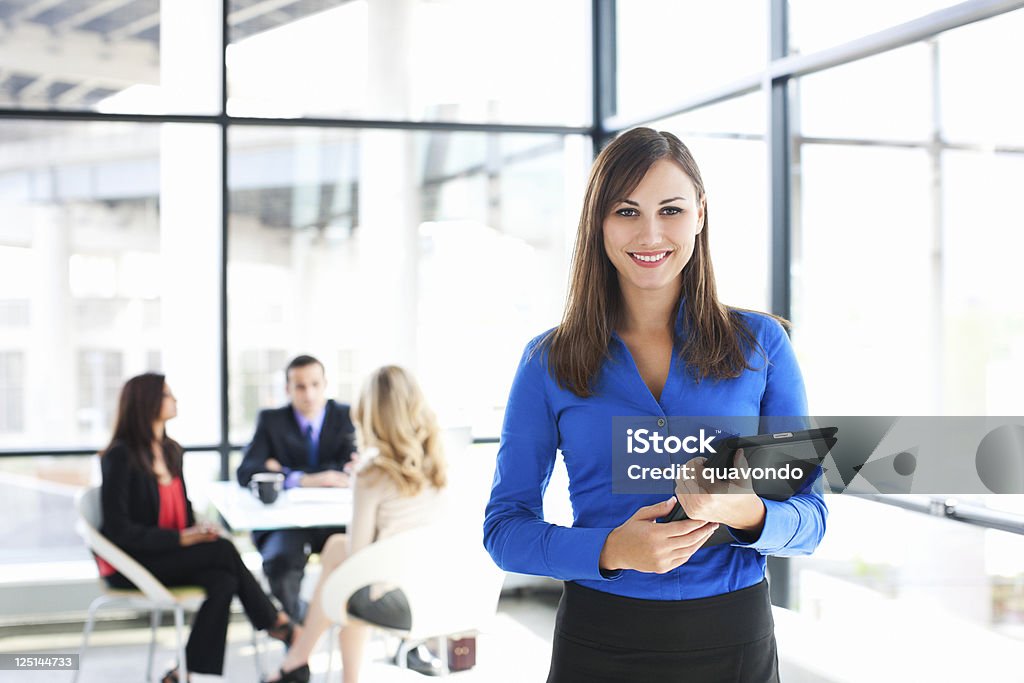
266,486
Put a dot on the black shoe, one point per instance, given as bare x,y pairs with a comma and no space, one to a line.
422,660
172,676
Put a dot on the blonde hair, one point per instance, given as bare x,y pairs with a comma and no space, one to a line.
392,416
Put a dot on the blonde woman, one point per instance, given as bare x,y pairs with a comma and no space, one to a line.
400,487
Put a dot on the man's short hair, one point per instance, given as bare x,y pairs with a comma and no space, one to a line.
301,362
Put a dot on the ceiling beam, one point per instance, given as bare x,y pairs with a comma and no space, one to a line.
73,94
92,11
33,50
135,27
256,10
35,89
32,9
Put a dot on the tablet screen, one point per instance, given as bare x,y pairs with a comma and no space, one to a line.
783,469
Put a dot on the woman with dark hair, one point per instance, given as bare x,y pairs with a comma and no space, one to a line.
644,334
146,512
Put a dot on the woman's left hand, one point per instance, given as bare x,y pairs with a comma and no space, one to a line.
730,502
213,529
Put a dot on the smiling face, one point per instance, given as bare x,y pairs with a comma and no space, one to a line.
649,235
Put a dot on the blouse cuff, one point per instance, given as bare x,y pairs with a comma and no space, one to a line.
780,525
576,554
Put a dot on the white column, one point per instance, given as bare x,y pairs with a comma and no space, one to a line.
390,57
388,198
190,208
190,55
305,316
51,367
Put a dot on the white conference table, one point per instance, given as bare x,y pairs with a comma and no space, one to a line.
297,508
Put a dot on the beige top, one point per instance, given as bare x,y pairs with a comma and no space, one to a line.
380,510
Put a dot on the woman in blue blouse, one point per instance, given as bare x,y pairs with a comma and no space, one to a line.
644,334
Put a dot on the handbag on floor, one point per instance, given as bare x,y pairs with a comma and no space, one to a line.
461,653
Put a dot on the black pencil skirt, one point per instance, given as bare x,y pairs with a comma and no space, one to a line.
605,638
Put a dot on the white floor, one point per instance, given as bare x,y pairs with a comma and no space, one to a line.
515,648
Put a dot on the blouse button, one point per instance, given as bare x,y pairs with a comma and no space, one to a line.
661,422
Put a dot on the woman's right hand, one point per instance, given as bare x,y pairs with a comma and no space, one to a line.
197,534
644,544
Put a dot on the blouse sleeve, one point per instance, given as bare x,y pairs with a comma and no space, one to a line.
794,526
515,533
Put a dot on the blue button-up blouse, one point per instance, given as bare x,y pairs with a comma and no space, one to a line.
541,418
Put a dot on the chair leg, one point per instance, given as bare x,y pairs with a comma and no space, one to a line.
257,655
403,654
332,635
87,631
179,627
154,622
442,653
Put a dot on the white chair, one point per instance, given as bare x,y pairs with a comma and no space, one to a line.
152,595
451,583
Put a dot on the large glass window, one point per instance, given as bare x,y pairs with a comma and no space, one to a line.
102,223
669,51
12,398
983,311
863,100
442,251
863,301
906,302
449,60
727,140
371,242
974,109
125,56
904,248
816,25
42,491
902,582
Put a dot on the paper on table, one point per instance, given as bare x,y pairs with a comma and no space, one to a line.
319,495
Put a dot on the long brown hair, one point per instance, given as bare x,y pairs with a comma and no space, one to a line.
138,408
717,337
392,415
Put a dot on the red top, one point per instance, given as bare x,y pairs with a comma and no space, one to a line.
173,515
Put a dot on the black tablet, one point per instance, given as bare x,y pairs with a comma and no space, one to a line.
781,456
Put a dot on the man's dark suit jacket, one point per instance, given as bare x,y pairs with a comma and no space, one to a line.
131,506
278,436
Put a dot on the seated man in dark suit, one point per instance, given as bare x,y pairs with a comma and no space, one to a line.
310,441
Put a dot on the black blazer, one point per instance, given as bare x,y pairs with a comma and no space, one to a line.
131,506
278,436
